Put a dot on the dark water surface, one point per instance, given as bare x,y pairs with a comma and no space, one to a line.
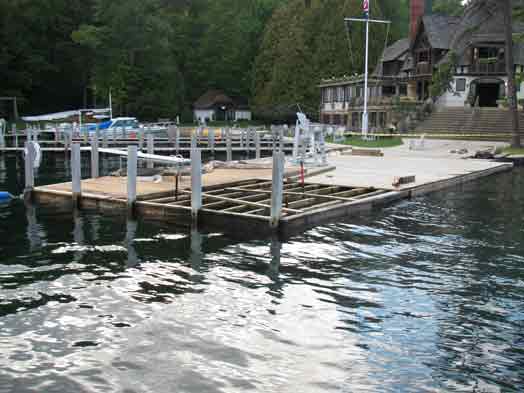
423,296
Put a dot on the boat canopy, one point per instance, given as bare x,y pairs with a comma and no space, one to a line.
64,115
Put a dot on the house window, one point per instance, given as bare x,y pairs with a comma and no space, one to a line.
354,120
340,94
460,84
347,92
373,119
382,120
388,91
403,90
359,91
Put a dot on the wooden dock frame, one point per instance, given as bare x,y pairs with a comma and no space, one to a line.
246,206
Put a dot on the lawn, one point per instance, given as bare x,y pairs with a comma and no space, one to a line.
380,142
514,152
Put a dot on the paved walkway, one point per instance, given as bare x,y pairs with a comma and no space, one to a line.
431,164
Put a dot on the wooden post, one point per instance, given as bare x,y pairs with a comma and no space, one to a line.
95,169
15,109
281,137
14,131
194,141
257,145
29,169
277,189
196,183
229,145
2,133
105,142
76,174
211,139
132,168
177,140
322,143
140,140
150,149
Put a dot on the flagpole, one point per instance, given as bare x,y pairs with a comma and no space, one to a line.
110,106
367,20
365,118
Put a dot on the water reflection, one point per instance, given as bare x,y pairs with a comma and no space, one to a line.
424,296
274,265
197,253
35,233
132,256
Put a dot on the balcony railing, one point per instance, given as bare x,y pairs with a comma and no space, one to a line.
488,68
424,68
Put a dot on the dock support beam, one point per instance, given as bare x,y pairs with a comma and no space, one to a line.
150,150
277,190
95,168
29,170
196,183
132,168
76,174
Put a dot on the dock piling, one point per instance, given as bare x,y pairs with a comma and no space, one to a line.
211,139
95,169
29,168
229,145
150,150
177,140
277,189
2,133
132,168
140,140
76,173
196,183
257,145
194,141
15,132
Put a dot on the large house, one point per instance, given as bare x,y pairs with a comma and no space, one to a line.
215,105
473,44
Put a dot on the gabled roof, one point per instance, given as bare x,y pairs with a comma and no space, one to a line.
212,98
396,50
439,29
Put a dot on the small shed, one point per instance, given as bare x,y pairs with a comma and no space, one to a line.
215,105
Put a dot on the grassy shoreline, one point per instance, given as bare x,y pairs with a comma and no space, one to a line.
381,142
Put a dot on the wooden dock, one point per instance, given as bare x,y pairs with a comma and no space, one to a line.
272,197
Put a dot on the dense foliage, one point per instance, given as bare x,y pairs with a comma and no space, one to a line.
158,56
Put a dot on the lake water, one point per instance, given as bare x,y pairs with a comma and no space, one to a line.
423,296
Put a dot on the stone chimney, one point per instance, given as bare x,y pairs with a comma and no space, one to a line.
418,8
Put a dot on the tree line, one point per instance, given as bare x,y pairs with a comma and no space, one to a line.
157,56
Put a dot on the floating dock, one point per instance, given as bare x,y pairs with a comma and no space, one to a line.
267,196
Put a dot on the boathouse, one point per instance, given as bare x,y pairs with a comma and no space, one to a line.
472,44
215,105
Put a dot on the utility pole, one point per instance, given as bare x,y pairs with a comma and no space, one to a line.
367,21
510,70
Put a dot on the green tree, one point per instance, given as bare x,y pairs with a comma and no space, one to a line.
130,41
448,7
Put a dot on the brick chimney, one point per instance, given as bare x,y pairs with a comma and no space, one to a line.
416,11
